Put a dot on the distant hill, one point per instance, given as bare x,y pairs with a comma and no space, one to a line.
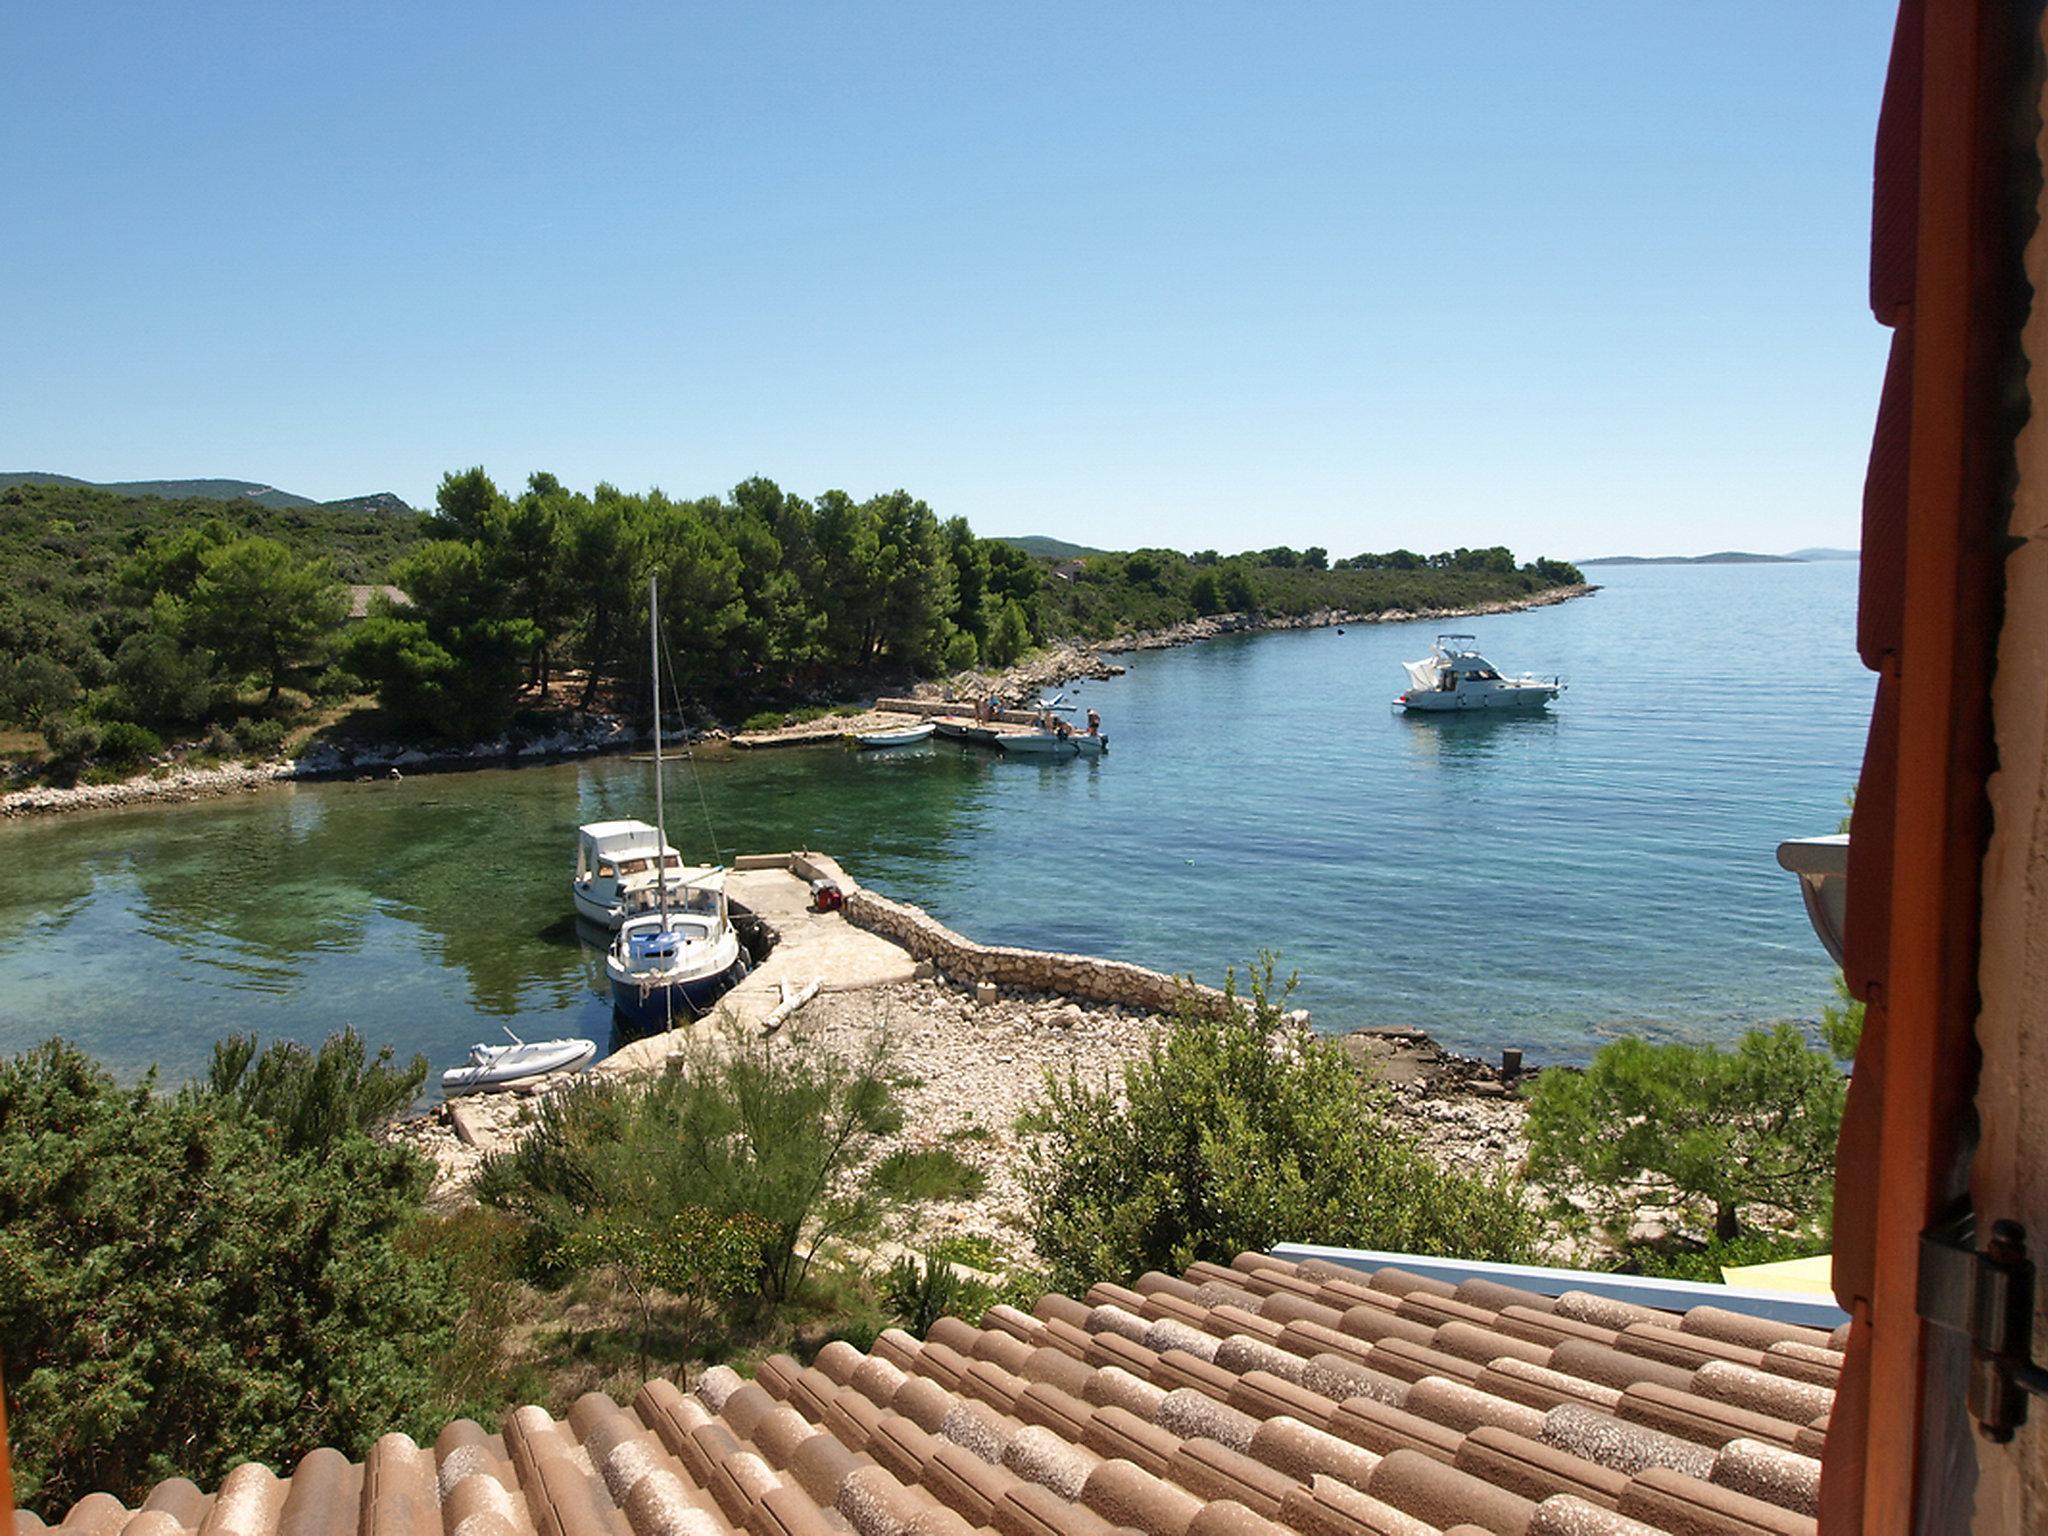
1047,548
1723,557
210,490
1824,553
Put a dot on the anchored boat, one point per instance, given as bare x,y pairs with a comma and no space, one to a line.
1454,677
909,736
618,864
672,963
507,1066
1053,743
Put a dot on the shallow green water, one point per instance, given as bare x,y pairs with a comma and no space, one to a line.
1541,882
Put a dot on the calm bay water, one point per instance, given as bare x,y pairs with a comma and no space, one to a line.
1545,882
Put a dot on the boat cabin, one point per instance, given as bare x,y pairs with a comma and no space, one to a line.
620,866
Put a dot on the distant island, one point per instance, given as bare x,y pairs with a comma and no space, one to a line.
253,491
1729,557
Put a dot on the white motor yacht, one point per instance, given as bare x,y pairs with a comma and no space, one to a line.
1455,678
618,864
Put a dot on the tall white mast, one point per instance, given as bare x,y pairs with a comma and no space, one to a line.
660,822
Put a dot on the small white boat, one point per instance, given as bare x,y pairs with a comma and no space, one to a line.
1455,678
507,1066
616,870
1053,743
909,736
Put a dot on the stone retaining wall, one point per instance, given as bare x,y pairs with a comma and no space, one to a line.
1031,970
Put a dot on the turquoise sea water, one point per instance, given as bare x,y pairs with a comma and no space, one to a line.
1544,882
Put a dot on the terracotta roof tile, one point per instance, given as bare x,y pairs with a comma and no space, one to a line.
1384,1429
1692,1417
1210,1470
1178,1368
1565,1515
1053,1307
1228,1293
1626,1447
1128,1494
1495,1297
1670,1501
1458,1406
1523,1381
1330,1508
1613,1367
1304,1452
1762,1392
1052,1460
1536,1470
1263,1395
1443,1495
1768,1472
1284,1309
1116,1434
1411,1362
1393,1281
1341,1377
1114,1387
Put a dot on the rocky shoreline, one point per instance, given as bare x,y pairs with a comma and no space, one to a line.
975,1066
1054,666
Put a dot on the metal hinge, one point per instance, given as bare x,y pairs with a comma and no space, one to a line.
1988,1296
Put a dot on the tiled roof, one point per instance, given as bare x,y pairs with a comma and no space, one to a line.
1225,1402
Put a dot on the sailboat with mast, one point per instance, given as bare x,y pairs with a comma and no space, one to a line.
669,965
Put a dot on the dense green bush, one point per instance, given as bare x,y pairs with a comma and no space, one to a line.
259,738
1239,1131
124,744
1721,1132
159,681
181,1290
766,1128
313,1096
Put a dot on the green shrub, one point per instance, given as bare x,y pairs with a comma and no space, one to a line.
259,738
37,689
1236,1132
680,1271
180,1291
1722,1130
313,1097
765,720
71,742
766,1127
158,680
928,1173
336,684
124,743
922,1293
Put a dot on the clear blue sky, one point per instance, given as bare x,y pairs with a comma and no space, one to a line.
1581,279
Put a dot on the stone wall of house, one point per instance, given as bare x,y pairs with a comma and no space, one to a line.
1030,970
